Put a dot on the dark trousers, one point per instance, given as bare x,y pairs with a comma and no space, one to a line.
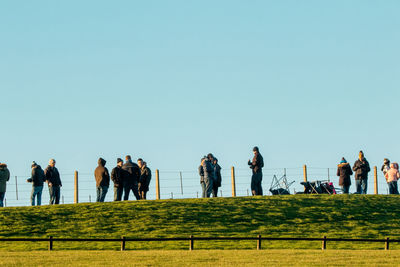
256,184
101,193
118,191
215,190
54,192
393,188
127,190
2,194
142,194
362,186
345,189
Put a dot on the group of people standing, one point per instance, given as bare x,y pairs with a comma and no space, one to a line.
210,176
361,169
126,177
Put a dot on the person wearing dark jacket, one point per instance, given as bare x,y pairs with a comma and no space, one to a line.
361,169
208,170
256,179
117,175
217,177
145,177
37,179
131,179
53,181
4,178
102,180
344,172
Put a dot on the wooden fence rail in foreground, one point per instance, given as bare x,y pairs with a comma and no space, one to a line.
191,240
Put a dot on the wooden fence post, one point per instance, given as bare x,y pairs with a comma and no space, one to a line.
387,243
375,180
123,243
191,246
50,243
233,182
76,198
324,243
259,242
157,184
305,173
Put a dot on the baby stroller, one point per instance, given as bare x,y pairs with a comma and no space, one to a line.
318,187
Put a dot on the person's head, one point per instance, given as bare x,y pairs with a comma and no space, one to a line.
128,158
144,164
361,155
343,161
386,161
120,162
394,165
255,150
52,162
215,161
140,163
210,157
102,162
33,164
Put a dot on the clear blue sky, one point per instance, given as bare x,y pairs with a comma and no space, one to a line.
169,81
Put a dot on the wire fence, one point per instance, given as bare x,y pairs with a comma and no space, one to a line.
176,184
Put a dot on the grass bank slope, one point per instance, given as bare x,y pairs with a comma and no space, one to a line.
352,216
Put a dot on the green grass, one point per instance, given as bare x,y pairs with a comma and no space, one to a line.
203,258
347,216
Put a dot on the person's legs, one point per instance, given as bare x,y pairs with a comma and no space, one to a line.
215,190
98,193
345,189
396,190
135,191
127,190
2,194
364,186
259,186
104,190
33,195
52,196
358,186
203,189
253,185
39,195
209,186
57,192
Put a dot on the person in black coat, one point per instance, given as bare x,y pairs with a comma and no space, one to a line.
131,179
361,169
54,182
145,177
217,177
117,176
37,179
344,172
102,178
256,179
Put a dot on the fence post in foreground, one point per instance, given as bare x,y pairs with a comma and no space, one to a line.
76,200
259,242
191,247
375,180
233,182
324,243
123,243
50,243
157,184
387,243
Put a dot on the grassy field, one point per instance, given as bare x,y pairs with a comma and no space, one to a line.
351,216
203,258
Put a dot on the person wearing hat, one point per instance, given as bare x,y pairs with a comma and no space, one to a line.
256,179
131,180
145,178
102,177
361,169
37,179
53,181
117,176
217,176
344,172
386,166
4,178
